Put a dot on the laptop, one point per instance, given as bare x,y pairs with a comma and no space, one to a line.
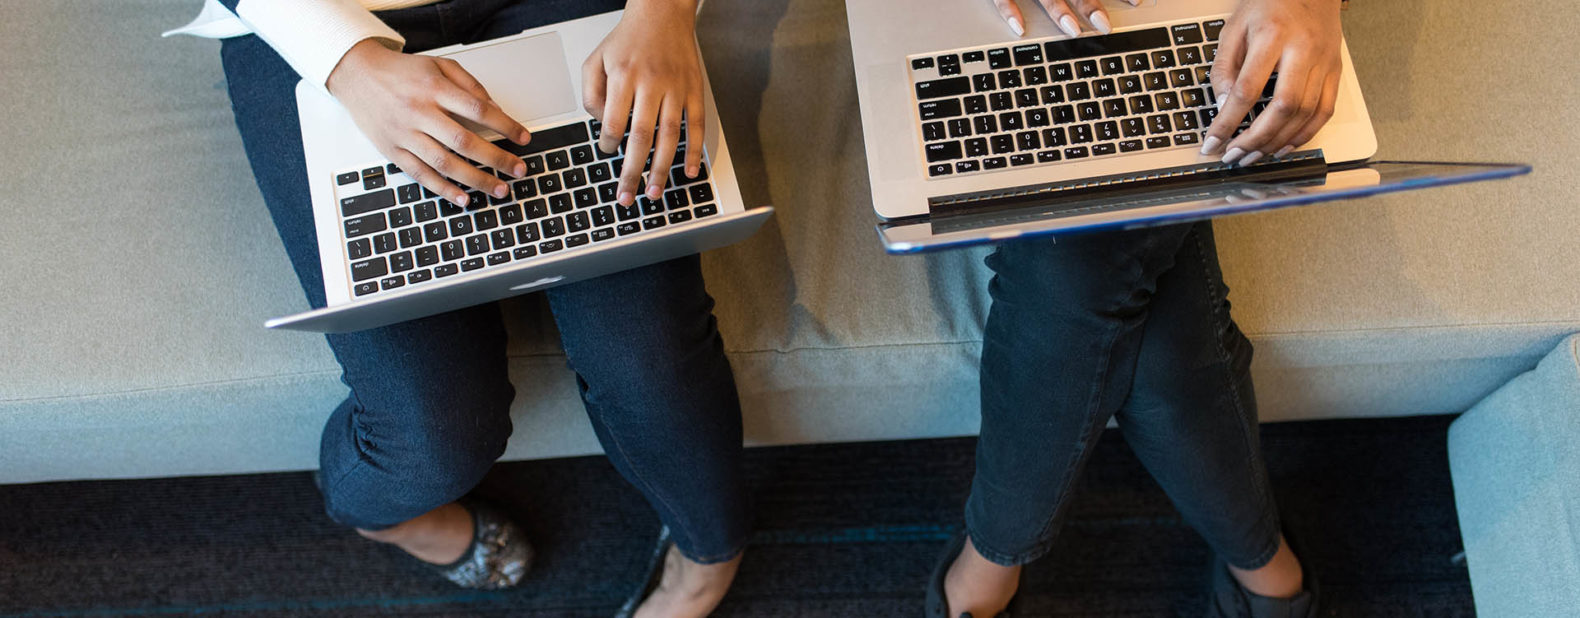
973,136
392,251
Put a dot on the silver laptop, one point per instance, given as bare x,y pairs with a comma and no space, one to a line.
975,137
392,251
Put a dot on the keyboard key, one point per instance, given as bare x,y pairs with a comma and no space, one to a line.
933,131
628,228
1194,97
574,177
1080,134
1141,104
409,193
384,243
553,228
999,58
435,232
701,194
943,151
1075,152
1156,81
1052,95
445,270
1159,124
1061,72
949,60
452,250
367,202
448,209
1052,138
946,108
369,269
503,239
1167,101
1103,88
602,234
390,283
460,226
1010,121
1190,55
1158,142
1106,131
1129,84
550,246
1037,118
535,209
1009,79
577,222
674,199
1026,97
1035,76
426,211
582,155
1089,110
346,178
495,259
960,127
472,264
653,223
1063,114
527,232
369,287
366,224
918,64
1186,34
1027,54
1209,53
401,262
604,215
1086,69
548,183
627,213
1185,121
370,183
476,200
410,237
358,249
477,244
985,124
1021,159
1114,108
1099,150
994,163
427,256
1133,145
1027,140
650,207
1048,156
1002,144
1163,59
1137,63
1133,127
1112,65
965,167
972,56
1212,29
1180,78
419,276
511,215
976,147
585,198
1000,101
976,104
560,203
1078,91
1185,139
522,253
680,216
557,160
938,88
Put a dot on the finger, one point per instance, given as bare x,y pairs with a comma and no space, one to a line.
1061,14
463,141
478,106
667,140
427,177
616,114
1008,10
1285,108
638,145
1325,107
1094,13
594,81
1310,98
1237,100
696,133
453,167
1225,70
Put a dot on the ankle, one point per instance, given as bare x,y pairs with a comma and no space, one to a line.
440,536
977,585
1280,578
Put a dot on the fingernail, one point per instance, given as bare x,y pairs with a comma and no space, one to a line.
1134,2
626,198
654,192
691,171
1068,25
1283,151
519,170
1100,21
460,199
1211,145
525,137
1256,155
1014,25
1233,155
501,191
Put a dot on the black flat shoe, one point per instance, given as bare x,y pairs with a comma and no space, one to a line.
655,574
938,601
498,557
1229,599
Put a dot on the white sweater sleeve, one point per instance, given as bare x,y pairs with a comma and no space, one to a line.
313,35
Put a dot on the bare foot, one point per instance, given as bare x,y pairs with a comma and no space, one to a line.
977,585
440,536
1280,578
688,589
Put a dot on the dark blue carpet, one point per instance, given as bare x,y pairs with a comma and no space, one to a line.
844,530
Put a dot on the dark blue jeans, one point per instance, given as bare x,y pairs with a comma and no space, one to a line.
429,410
1128,325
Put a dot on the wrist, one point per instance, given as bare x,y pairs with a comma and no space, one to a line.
672,8
355,61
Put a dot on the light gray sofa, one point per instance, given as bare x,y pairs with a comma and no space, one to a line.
139,263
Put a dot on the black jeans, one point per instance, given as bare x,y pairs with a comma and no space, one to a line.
429,410
1129,325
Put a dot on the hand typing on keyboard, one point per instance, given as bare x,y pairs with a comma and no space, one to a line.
1301,40
408,105
648,73
1063,12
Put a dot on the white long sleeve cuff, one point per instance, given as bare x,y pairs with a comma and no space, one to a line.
313,35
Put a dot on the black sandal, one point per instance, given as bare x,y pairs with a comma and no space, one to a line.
498,557
655,574
938,601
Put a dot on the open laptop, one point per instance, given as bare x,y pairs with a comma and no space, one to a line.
392,251
975,137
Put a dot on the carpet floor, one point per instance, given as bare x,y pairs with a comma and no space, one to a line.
842,530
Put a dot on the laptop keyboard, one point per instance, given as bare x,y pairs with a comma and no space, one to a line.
1040,103
399,234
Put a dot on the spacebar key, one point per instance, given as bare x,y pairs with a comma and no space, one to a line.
548,139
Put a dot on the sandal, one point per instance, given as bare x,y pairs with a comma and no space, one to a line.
498,557
655,574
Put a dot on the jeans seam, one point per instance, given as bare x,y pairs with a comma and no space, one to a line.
1258,481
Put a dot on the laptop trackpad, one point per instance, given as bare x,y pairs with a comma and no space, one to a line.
527,77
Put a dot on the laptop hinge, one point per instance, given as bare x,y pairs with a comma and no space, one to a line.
1295,165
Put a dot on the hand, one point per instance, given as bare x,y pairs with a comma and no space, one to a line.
1063,12
649,69
408,105
1302,40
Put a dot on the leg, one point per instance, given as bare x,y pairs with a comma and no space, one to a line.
1191,419
1058,354
429,408
659,391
